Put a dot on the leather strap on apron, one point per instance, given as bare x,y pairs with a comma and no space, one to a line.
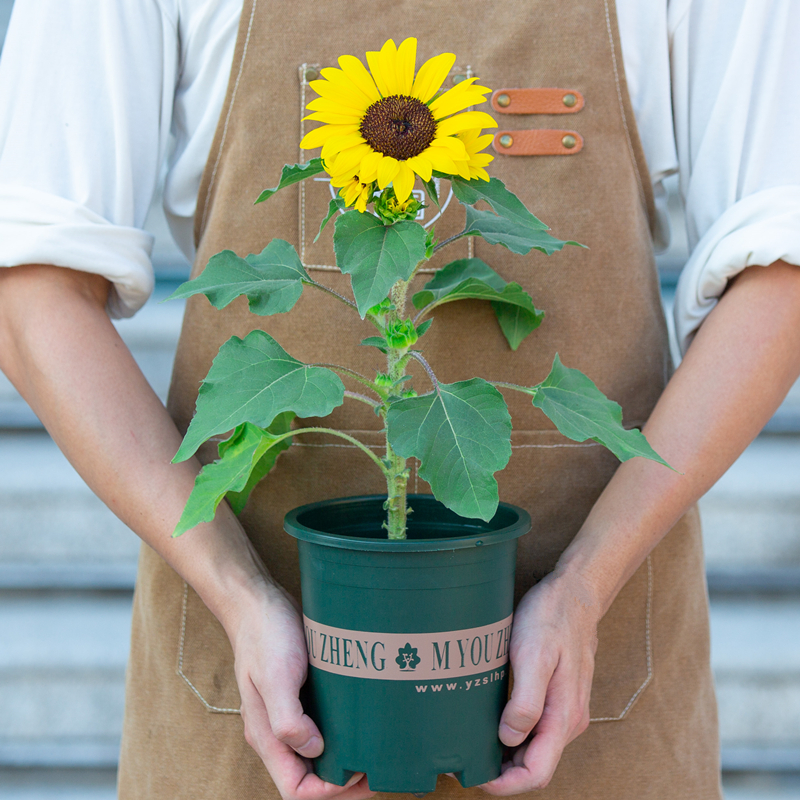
652,700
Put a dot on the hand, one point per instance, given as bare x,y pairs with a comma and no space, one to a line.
553,645
271,664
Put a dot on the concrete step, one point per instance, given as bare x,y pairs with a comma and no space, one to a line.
62,674
756,661
53,531
58,784
751,518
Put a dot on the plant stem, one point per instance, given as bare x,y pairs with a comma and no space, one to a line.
446,242
515,386
345,300
353,374
363,398
332,432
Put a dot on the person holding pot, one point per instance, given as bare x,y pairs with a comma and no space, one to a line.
613,694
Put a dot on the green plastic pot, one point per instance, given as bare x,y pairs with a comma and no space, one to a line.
407,640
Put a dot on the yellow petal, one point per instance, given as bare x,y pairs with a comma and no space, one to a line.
387,170
403,182
369,166
406,62
319,136
463,169
338,78
464,87
332,118
479,172
359,75
361,203
453,101
351,192
345,179
440,160
382,66
431,75
350,101
323,104
461,122
336,144
421,166
348,159
454,147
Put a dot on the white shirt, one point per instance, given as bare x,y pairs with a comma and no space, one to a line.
90,91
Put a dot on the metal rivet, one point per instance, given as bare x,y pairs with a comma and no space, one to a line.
569,100
503,100
506,140
569,141
310,75
459,78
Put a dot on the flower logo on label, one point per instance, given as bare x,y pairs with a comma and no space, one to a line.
407,658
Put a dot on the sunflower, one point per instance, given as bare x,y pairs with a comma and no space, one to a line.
354,191
386,125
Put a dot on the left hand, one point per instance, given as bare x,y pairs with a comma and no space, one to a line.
553,645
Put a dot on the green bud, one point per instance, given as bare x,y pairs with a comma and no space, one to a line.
391,210
401,334
383,380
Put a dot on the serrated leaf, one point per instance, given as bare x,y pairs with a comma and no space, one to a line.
293,173
230,473
461,433
272,280
581,411
504,202
433,194
471,278
375,255
336,204
376,341
280,425
253,380
517,238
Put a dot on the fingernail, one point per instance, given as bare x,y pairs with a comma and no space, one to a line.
311,749
509,733
354,779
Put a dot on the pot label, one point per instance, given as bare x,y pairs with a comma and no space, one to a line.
408,656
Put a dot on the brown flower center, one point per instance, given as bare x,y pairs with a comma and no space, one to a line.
398,126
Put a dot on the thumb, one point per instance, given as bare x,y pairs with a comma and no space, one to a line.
290,724
526,703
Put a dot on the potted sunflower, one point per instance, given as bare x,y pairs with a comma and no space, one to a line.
407,599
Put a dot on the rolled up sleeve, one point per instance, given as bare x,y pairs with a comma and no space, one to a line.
735,72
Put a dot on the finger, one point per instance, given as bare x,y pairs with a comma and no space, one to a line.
524,708
291,773
287,721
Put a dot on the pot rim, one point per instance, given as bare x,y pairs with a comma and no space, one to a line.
519,527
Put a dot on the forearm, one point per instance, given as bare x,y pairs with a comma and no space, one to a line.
61,351
742,363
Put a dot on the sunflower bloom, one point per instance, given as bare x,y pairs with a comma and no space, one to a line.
388,124
354,192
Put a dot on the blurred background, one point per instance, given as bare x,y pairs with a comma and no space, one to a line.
68,566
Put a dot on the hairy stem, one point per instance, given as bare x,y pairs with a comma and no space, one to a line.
446,242
363,398
322,287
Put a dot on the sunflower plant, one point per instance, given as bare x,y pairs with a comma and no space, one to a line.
385,126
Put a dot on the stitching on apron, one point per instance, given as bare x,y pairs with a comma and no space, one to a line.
228,117
209,707
628,141
648,648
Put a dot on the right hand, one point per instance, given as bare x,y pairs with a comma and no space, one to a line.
271,664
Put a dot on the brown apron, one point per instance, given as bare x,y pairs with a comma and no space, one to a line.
654,729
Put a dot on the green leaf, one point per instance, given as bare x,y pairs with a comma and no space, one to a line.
505,203
423,327
517,238
253,380
430,188
230,473
271,280
461,433
471,278
280,425
336,204
375,255
293,173
376,341
581,411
